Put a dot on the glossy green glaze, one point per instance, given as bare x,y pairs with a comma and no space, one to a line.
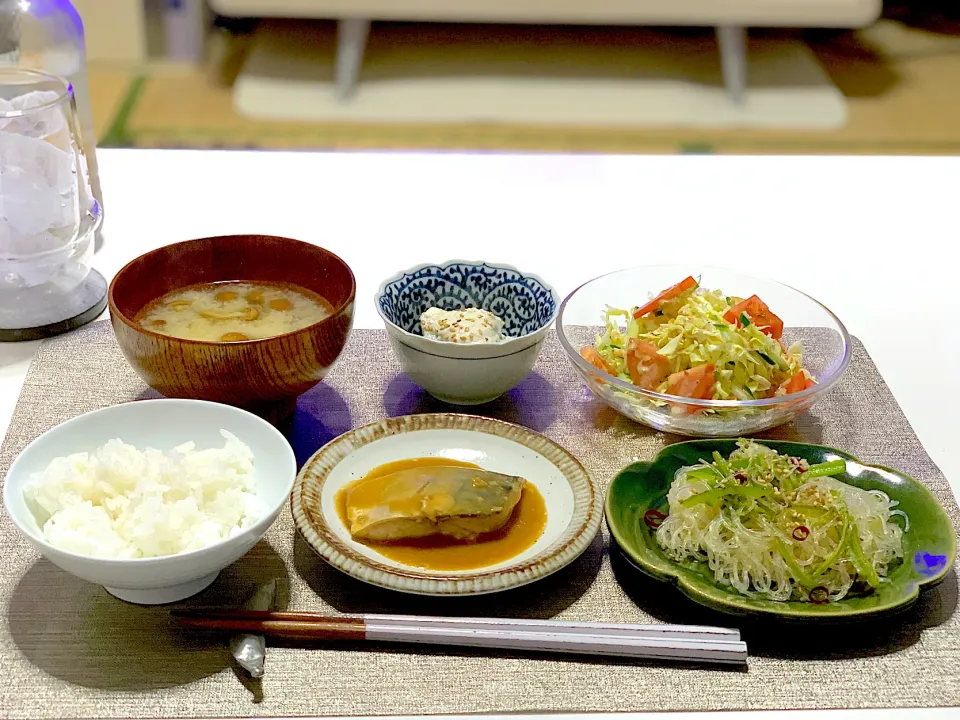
930,547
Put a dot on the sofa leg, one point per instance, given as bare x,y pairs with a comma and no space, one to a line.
351,41
732,40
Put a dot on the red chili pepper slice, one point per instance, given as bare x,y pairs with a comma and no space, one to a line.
801,532
654,518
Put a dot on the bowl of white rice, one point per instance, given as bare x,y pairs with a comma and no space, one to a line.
151,499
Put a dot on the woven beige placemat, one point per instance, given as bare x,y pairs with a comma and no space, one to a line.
68,649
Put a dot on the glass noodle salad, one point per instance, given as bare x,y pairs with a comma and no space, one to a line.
697,343
774,526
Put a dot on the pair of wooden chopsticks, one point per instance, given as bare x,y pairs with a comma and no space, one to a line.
654,642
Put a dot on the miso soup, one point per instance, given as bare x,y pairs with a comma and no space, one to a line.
234,311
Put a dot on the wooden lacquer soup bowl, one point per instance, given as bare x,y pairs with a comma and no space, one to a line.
264,376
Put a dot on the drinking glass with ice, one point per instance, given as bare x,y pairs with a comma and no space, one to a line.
48,214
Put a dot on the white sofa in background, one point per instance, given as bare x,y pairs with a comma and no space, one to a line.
730,17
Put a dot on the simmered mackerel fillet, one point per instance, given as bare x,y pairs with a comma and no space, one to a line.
455,501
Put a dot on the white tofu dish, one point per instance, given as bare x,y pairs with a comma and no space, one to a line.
469,325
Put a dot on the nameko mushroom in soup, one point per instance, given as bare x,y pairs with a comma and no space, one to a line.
234,311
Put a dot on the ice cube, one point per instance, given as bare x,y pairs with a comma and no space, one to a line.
38,187
37,123
35,155
42,259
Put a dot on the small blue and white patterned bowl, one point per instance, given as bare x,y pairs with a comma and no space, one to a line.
467,374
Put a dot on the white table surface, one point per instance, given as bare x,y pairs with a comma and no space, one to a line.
874,239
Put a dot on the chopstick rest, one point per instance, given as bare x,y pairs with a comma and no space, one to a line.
248,649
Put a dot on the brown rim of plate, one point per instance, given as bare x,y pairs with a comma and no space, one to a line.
305,505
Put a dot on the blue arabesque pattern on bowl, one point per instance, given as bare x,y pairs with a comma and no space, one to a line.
523,301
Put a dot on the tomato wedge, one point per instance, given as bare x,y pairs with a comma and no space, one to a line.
758,313
647,367
797,383
696,382
668,294
590,354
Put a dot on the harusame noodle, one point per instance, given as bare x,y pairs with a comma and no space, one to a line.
777,527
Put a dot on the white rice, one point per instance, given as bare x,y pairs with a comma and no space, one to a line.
120,502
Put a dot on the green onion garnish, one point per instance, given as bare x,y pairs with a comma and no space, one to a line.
827,469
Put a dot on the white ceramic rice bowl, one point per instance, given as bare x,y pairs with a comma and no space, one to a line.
161,424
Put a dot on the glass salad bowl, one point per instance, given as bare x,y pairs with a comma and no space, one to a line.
809,328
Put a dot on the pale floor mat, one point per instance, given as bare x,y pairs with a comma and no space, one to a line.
535,76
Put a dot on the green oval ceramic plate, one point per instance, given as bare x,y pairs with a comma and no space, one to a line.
930,547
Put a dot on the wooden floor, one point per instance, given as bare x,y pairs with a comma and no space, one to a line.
902,85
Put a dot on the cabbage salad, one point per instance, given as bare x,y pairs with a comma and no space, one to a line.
698,343
774,526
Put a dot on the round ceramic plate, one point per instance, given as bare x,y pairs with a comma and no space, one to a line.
573,501
929,547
